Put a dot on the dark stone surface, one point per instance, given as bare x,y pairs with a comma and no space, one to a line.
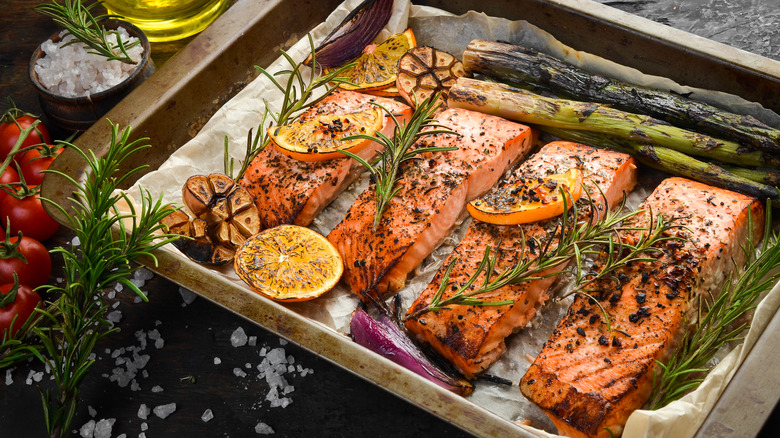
329,402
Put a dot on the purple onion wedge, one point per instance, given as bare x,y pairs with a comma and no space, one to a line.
384,337
349,38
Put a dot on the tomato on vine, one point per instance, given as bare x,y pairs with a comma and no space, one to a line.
17,305
14,121
36,160
25,257
8,177
23,211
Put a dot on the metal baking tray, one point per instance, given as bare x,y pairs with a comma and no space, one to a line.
173,104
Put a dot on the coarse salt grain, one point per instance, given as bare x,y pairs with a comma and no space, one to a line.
263,429
70,71
207,416
163,411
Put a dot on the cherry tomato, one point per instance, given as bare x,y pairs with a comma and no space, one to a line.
9,134
8,177
35,161
34,272
21,308
28,216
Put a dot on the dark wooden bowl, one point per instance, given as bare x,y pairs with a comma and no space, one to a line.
79,113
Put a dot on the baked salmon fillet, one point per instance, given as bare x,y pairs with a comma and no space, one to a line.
472,337
588,379
432,196
288,191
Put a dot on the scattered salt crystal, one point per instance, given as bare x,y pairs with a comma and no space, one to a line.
282,341
277,356
207,415
263,429
29,378
238,372
217,361
92,411
144,426
141,435
290,368
114,316
145,374
75,241
238,338
118,287
187,296
164,411
8,379
247,365
143,411
252,341
124,435
157,388
88,429
263,351
116,304
134,386
103,428
143,274
112,294
290,359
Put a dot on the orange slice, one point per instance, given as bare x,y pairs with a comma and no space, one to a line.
528,200
377,67
289,263
320,138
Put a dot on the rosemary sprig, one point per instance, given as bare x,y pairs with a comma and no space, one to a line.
292,104
720,321
398,149
570,240
76,320
78,20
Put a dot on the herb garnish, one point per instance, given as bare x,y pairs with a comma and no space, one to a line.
110,241
572,239
78,20
398,149
292,104
721,320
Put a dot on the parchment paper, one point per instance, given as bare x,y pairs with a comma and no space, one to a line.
204,154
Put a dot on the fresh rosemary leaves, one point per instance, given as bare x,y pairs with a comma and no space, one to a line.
721,320
573,239
110,241
78,20
398,149
291,106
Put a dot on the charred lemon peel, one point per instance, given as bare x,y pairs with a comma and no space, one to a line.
528,200
289,263
320,138
375,70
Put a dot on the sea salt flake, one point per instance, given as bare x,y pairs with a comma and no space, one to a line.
263,429
207,416
104,427
92,412
144,426
238,372
217,361
163,411
114,316
238,338
8,379
157,388
187,296
88,429
143,411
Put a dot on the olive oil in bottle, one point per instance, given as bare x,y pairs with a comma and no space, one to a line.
167,20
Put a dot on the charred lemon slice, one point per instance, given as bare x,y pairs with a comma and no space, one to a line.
289,263
424,71
376,69
528,200
320,138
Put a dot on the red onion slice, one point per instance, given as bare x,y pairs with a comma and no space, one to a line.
358,30
384,337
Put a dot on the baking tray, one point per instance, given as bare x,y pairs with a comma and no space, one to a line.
172,105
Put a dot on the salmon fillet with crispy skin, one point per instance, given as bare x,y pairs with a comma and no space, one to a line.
589,380
433,194
288,191
472,337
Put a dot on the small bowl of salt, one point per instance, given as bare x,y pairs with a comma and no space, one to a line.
75,87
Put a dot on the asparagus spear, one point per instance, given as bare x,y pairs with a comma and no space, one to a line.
762,175
671,161
524,67
524,106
